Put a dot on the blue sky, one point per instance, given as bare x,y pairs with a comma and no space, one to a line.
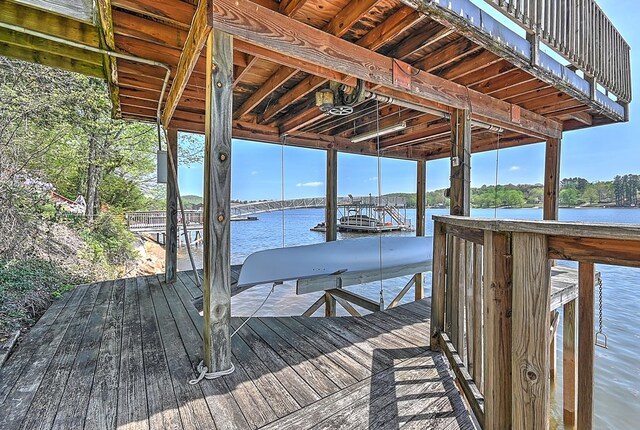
597,153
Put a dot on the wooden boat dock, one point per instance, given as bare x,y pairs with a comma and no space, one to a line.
120,354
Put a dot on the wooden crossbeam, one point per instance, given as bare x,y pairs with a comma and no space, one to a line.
52,60
403,19
49,23
198,33
107,41
356,299
314,50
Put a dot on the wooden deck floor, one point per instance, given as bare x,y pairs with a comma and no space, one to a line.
119,354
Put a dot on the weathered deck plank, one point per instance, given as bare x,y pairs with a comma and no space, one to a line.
44,402
102,409
120,355
131,396
41,342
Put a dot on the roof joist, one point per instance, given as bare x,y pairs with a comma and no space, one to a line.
295,44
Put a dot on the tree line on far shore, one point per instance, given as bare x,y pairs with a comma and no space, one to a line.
622,191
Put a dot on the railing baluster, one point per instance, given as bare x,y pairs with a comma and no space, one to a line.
476,334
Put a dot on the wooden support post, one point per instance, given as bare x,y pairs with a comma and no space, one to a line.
329,305
217,201
331,217
421,206
551,179
531,294
438,282
569,369
460,202
497,330
586,346
171,245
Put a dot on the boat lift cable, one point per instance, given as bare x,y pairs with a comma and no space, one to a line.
187,239
379,198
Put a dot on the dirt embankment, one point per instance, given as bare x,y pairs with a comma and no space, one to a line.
151,259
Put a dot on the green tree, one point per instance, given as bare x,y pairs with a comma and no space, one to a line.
569,197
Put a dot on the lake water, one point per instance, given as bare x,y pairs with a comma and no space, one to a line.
617,377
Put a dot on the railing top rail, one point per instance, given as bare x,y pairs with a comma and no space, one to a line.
550,228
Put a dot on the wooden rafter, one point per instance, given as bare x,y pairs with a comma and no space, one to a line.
338,26
198,33
291,7
404,18
251,24
420,40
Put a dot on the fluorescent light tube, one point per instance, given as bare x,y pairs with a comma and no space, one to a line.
377,133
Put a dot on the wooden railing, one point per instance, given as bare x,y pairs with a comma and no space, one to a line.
137,221
581,32
491,298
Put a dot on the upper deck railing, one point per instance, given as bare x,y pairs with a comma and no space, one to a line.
581,32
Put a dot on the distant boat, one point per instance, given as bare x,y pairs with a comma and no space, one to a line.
320,227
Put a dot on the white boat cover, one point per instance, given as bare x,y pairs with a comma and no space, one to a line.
338,264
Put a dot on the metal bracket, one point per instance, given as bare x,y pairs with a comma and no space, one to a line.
401,74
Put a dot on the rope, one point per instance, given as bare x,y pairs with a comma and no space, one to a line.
203,373
273,287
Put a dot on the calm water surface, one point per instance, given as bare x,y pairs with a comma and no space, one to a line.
617,379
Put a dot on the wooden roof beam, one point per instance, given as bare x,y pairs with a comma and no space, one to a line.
397,23
291,7
338,26
110,64
49,23
314,50
198,33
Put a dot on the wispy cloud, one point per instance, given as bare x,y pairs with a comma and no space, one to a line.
514,168
309,184
373,178
254,172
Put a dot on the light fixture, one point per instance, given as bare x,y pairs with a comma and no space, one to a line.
378,133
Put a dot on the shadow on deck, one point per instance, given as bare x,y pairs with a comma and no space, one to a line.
119,354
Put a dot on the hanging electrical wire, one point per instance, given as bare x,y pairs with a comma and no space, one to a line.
379,198
495,189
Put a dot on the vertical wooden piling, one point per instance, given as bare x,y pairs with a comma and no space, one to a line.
530,332
171,245
586,346
551,179
460,202
421,189
217,201
331,217
497,330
